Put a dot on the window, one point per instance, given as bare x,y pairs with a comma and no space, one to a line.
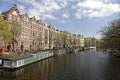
18,19
19,62
1,43
14,19
7,63
10,18
23,29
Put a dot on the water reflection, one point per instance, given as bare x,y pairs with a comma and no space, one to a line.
79,66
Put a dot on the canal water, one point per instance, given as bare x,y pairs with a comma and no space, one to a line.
78,66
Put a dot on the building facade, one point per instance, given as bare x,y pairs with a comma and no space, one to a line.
11,16
35,35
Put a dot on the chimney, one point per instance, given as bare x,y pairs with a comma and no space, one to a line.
15,5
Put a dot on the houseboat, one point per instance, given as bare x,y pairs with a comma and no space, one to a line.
13,62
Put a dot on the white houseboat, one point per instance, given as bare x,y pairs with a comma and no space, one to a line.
12,62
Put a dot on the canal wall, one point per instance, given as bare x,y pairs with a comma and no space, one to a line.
67,50
59,51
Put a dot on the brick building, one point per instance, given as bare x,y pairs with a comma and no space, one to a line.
10,16
35,35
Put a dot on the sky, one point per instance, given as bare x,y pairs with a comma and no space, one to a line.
85,17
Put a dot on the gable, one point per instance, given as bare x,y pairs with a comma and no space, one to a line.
15,13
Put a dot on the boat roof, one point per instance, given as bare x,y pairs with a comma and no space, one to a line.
14,57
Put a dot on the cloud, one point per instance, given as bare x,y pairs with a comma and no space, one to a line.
96,8
51,9
78,15
66,15
21,8
8,0
61,21
63,3
43,8
49,16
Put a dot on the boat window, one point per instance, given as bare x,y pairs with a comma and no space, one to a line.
7,63
19,62
0,62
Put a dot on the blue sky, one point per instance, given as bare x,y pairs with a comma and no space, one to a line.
85,17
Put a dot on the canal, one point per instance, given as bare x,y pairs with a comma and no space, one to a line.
78,66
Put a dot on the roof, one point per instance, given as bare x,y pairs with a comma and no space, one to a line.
14,57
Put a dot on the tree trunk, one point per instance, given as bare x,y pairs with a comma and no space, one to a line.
13,46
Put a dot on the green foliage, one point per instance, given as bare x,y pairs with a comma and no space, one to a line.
74,41
4,30
87,42
64,39
9,31
50,38
58,40
15,29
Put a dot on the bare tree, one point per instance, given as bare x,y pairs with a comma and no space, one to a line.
111,35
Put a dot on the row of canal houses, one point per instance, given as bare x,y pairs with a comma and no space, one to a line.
36,35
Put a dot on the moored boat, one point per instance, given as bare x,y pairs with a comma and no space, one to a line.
12,62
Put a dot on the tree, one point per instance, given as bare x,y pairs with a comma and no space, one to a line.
5,33
74,41
64,39
87,42
15,29
70,41
98,42
50,38
111,35
57,40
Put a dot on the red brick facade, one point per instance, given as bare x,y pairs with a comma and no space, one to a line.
35,35
10,16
